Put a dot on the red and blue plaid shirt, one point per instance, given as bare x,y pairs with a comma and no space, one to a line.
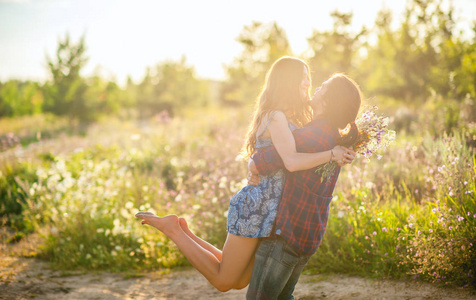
304,208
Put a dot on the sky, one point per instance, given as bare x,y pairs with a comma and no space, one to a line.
125,37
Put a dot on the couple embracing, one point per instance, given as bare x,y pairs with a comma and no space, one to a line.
277,222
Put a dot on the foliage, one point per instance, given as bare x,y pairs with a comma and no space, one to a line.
30,129
85,203
20,98
416,220
334,51
263,45
425,55
14,192
105,96
382,215
410,214
171,86
66,92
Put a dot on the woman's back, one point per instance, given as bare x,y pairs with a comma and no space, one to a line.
253,209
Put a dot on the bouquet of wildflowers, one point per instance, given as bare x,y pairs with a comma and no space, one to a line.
374,136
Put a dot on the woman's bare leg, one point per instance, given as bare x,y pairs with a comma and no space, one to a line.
225,274
245,277
215,251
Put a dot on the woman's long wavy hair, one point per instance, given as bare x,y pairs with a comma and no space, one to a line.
281,91
343,99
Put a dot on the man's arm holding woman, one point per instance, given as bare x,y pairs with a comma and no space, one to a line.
306,139
285,145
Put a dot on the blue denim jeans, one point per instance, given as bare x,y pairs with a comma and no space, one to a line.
276,270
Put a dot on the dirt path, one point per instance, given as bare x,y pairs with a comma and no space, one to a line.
22,278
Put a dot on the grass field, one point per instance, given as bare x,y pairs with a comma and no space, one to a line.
410,214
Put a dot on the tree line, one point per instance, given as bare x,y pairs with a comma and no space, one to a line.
425,56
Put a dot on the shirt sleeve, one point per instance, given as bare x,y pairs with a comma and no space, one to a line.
267,160
314,138
308,139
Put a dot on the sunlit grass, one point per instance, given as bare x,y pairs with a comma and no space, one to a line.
411,213
33,128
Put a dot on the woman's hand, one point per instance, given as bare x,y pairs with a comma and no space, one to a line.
253,179
253,176
343,155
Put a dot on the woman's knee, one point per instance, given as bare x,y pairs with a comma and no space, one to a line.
244,281
224,285
241,285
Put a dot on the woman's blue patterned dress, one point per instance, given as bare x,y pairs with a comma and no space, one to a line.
253,209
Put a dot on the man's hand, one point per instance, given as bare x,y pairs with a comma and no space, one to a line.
349,155
253,175
343,155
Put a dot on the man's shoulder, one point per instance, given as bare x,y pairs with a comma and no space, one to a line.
321,127
316,135
319,123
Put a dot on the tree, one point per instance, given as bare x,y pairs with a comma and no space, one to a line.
378,71
465,75
171,86
336,50
67,89
102,96
19,98
420,58
263,45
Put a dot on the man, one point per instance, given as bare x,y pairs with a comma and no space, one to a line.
303,211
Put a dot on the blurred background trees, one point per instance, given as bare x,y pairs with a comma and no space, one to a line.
19,98
426,61
66,92
262,45
170,86
336,50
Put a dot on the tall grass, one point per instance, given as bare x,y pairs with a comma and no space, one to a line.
411,213
84,204
33,128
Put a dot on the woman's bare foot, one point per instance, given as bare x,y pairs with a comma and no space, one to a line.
184,225
168,224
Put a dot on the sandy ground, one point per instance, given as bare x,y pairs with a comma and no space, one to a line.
22,278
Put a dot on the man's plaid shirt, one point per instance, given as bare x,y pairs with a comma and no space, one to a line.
304,208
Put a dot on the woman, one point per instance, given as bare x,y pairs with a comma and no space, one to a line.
282,106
